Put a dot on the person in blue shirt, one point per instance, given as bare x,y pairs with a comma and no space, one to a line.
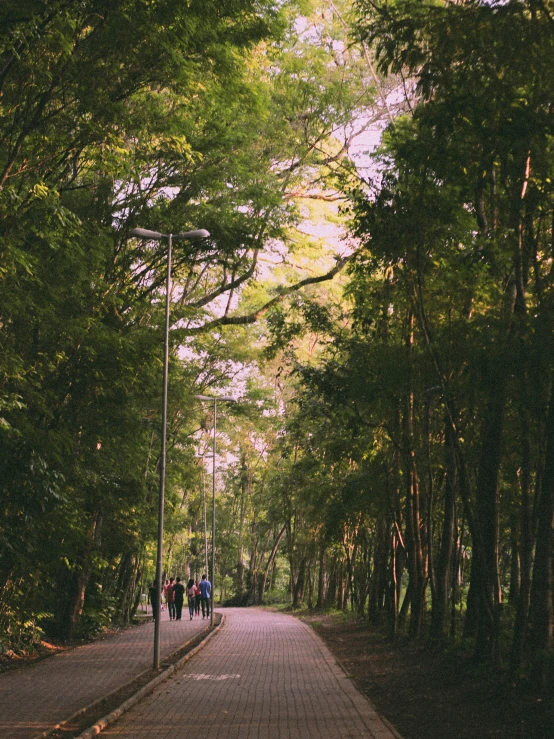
205,594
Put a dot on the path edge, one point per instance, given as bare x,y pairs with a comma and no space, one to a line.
101,724
348,675
111,717
61,724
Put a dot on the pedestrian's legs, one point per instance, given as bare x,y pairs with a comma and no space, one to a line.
203,602
197,605
178,609
171,609
191,607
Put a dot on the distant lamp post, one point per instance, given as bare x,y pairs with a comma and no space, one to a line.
214,400
142,233
203,457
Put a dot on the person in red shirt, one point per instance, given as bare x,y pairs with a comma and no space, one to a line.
170,598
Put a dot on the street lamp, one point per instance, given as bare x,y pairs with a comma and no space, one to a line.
225,399
142,233
203,457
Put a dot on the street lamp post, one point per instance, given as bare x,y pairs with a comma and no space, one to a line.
225,399
142,233
204,457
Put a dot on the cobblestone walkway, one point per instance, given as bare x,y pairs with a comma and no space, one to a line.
36,698
264,676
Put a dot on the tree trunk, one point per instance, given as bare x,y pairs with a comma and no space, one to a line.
526,550
271,558
321,577
340,586
240,556
515,560
79,584
298,592
444,561
541,611
379,575
486,545
456,577
416,564
331,597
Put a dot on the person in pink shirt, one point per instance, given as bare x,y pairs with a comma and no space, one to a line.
198,597
191,597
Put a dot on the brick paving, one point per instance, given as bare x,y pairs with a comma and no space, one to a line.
264,676
34,699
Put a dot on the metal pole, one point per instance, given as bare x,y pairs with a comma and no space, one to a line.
205,517
212,598
162,466
143,233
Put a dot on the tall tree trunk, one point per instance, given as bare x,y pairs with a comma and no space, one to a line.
331,597
298,593
444,560
321,576
271,558
240,556
541,611
379,575
416,565
394,591
80,582
486,546
362,574
340,586
456,577
515,560
526,550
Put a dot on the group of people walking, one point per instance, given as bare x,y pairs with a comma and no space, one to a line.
198,597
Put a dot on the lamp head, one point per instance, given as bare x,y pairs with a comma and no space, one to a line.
143,233
200,233
225,398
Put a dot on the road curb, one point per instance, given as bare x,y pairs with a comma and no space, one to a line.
105,721
75,716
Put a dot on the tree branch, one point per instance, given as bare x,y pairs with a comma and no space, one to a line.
250,318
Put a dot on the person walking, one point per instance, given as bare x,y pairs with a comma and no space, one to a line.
170,598
153,599
197,599
191,597
205,594
179,590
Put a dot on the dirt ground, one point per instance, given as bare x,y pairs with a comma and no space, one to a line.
426,695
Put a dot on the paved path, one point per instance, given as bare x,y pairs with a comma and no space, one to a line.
265,676
36,698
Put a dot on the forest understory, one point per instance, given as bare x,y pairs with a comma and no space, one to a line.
431,695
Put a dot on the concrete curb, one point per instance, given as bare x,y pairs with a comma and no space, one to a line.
111,717
61,725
